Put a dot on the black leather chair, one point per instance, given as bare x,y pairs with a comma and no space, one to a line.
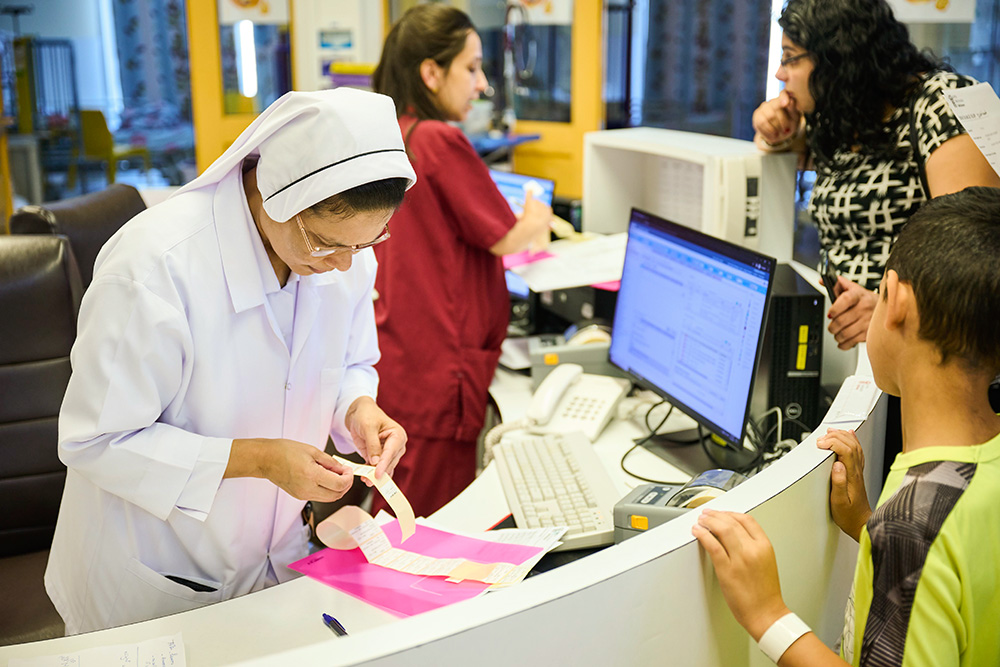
89,221
40,292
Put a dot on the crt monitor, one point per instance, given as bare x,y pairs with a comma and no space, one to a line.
513,186
689,324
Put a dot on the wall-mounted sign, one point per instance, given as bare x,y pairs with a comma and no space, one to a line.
262,12
934,11
547,12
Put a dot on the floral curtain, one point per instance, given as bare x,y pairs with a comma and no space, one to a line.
706,65
153,56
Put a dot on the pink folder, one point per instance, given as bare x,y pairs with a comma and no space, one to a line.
405,594
524,257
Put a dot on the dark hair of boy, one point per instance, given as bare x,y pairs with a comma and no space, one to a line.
431,31
948,252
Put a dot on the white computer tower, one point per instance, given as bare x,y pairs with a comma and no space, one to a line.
721,186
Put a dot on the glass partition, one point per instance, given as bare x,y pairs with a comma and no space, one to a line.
255,53
527,55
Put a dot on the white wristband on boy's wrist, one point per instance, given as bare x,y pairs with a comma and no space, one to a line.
782,634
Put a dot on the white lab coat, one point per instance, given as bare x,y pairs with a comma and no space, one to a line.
177,354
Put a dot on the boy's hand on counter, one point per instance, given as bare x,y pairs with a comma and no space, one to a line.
744,562
848,498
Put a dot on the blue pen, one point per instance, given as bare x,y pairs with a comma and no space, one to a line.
334,625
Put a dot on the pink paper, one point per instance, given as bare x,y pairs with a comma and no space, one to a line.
405,594
524,257
610,286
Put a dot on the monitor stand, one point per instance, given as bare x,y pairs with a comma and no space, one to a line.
684,451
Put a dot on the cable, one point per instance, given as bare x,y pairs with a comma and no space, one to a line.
642,441
793,421
702,439
645,420
768,453
493,436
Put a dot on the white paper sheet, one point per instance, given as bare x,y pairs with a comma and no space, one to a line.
853,403
576,263
978,108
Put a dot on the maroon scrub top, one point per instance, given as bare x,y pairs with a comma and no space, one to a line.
442,306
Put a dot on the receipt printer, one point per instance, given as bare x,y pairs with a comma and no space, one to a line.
587,346
650,505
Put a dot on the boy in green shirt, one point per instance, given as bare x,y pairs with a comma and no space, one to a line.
927,587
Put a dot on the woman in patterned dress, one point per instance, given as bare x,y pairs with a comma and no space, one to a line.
857,92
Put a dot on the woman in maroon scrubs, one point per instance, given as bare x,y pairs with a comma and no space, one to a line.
442,304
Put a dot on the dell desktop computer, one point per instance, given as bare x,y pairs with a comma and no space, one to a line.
788,374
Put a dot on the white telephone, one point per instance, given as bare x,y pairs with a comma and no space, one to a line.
570,400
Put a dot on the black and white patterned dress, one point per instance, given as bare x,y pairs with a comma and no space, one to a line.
860,203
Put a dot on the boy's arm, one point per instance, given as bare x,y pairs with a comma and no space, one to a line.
848,498
809,650
748,575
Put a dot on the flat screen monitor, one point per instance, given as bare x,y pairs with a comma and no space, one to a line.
513,186
689,324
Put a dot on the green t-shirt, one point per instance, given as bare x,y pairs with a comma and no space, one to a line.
927,584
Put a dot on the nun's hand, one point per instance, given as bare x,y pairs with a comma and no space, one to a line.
379,439
301,470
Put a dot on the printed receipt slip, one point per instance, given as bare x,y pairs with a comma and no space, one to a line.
397,501
351,527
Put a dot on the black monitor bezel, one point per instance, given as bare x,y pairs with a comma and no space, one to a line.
732,251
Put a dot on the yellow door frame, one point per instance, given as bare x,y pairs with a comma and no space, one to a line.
214,129
6,182
558,155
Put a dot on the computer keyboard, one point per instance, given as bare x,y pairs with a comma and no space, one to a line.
558,480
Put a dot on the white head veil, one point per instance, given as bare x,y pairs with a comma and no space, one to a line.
313,145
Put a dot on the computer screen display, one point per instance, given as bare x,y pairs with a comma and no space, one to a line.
516,285
512,187
689,321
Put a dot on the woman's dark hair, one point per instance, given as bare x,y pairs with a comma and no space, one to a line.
948,252
864,64
431,31
386,194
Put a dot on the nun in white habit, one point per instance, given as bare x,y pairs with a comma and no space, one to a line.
227,332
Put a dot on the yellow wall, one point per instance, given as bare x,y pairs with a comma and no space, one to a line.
558,155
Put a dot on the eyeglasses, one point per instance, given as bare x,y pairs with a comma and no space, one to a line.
791,60
321,251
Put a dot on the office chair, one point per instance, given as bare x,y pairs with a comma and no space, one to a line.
99,144
88,220
40,294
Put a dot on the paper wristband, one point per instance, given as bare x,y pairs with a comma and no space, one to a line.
397,501
351,527
782,634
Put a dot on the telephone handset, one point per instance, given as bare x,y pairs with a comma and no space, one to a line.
570,400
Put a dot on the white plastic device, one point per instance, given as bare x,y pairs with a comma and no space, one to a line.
570,400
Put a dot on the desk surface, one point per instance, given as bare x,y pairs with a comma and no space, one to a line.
610,589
